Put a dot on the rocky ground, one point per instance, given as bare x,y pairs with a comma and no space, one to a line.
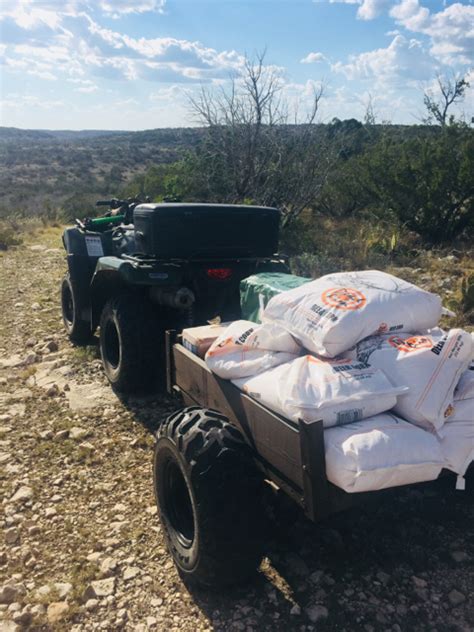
82,547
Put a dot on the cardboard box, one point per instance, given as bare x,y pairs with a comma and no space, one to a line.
199,339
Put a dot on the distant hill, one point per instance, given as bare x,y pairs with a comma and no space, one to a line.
15,133
8,134
49,167
63,168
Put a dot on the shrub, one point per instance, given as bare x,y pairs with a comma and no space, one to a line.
427,181
9,235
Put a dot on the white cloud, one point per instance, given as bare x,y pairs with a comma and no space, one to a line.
368,9
34,67
312,58
78,45
27,13
28,16
15,101
410,14
123,7
371,9
451,30
87,89
167,94
403,61
156,59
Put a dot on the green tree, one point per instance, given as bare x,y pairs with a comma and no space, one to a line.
427,181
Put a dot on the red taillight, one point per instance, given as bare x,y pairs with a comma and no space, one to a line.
221,274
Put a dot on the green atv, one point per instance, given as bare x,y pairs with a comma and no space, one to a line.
145,268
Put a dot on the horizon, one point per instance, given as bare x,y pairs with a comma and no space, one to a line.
177,127
132,65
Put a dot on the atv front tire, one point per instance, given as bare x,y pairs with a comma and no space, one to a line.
209,496
78,330
132,345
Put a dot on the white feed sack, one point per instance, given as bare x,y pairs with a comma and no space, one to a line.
333,313
245,348
380,452
465,386
309,388
430,365
457,439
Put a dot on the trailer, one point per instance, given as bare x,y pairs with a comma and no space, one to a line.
213,460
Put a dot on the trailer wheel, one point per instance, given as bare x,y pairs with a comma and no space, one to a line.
132,345
209,496
78,330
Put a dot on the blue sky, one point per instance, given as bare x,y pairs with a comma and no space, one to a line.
132,64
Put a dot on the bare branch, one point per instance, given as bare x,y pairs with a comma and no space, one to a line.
452,90
253,149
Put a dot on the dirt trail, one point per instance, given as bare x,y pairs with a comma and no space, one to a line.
82,547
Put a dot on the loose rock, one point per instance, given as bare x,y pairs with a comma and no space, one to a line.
63,589
419,582
57,611
316,613
459,556
77,434
101,588
12,535
131,572
455,597
22,495
9,626
10,593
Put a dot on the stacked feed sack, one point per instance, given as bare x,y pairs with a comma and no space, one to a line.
245,348
311,389
457,434
430,364
374,346
331,314
380,452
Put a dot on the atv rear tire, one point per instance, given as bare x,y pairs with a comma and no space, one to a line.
132,345
209,496
79,331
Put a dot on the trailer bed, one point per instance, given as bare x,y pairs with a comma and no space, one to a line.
291,455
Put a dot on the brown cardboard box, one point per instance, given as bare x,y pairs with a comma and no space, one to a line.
199,339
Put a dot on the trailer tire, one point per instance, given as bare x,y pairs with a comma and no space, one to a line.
132,345
78,330
209,496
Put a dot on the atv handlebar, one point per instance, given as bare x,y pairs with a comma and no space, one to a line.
115,203
120,210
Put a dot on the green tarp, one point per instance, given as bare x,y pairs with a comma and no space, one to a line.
258,289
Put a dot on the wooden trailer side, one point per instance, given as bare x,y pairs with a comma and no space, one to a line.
292,455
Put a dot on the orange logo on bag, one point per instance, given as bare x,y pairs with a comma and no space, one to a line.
345,298
225,342
218,349
410,344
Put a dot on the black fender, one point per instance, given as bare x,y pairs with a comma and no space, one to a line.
106,282
81,268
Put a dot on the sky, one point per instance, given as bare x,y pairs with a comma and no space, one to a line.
134,64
